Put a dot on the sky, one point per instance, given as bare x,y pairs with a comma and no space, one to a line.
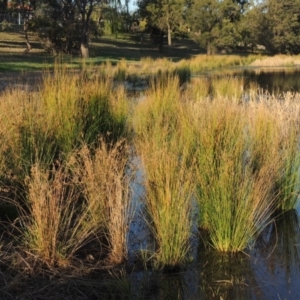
132,5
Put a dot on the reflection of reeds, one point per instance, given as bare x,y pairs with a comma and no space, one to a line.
226,276
280,244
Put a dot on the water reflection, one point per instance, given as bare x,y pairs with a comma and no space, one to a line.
228,276
278,257
274,81
271,270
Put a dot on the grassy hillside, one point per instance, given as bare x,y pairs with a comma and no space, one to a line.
14,58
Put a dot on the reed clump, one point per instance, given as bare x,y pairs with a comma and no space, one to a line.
43,130
65,111
288,182
84,200
158,122
227,87
235,200
103,176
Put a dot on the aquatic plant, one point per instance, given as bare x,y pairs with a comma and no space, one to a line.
66,110
58,222
103,176
227,86
164,151
234,200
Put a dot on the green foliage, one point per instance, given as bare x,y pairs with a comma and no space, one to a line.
277,25
214,23
5,26
234,199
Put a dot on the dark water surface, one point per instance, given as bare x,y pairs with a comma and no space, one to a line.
274,81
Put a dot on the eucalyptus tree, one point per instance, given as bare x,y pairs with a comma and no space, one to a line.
63,25
166,15
281,21
214,23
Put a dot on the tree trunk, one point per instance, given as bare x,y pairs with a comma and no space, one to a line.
84,49
25,27
169,36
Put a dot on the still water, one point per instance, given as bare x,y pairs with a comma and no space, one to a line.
275,81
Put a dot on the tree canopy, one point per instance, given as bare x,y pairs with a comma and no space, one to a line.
217,25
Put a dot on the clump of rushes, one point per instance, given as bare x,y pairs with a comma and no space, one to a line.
168,170
120,73
169,191
68,109
203,62
58,222
81,109
199,89
103,177
159,112
228,86
234,200
288,182
52,225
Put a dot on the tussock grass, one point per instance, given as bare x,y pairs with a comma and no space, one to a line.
40,130
277,61
199,89
65,111
169,191
234,199
58,222
203,62
228,87
50,231
168,170
103,178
